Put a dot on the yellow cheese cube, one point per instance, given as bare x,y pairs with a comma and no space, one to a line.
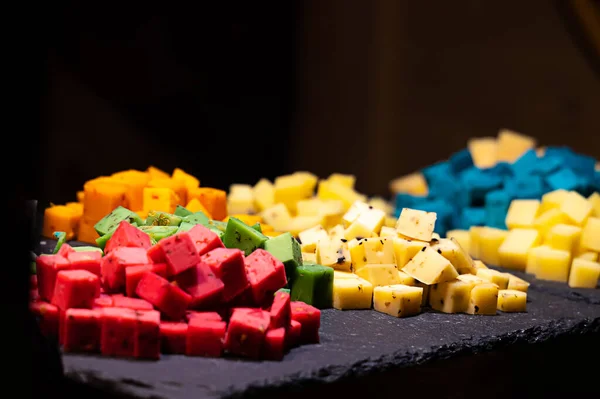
516,283
463,237
405,279
483,299
494,276
590,236
352,214
278,216
341,274
484,151
550,218
160,199
390,221
512,145
332,211
379,250
309,207
471,278
553,199
357,254
532,258
381,204
352,293
594,200
388,232
310,237
576,207
474,240
263,193
490,240
240,199
450,249
308,257
398,300
513,251
563,236
522,213
415,224
289,189
584,274
334,254
413,184
589,255
366,224
336,233
430,267
194,205
346,180
404,250
309,181
451,296
553,264
479,264
380,274
337,191
512,301
60,218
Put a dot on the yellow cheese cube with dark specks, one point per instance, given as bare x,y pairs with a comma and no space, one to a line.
494,276
479,265
471,278
309,238
398,300
576,207
404,250
484,151
483,299
60,218
278,216
405,279
590,236
380,274
512,301
160,199
357,254
334,254
450,249
463,237
490,240
594,200
349,293
474,240
379,250
584,274
513,251
563,236
416,224
306,256
588,255
368,223
522,213
413,184
553,265
553,199
429,267
516,283
451,296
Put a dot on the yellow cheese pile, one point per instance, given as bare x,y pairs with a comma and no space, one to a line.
557,239
399,269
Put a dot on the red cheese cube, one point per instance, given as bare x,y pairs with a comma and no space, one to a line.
33,281
75,289
274,346
310,319
281,313
120,301
169,299
133,275
293,334
208,316
246,332
47,316
266,274
47,267
114,264
173,337
180,253
228,265
244,299
204,239
82,330
103,301
127,235
201,283
118,332
205,337
65,250
147,335
88,260
34,295
156,254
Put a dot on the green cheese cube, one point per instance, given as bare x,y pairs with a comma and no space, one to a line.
185,226
197,218
240,235
110,222
157,233
85,248
287,249
158,218
61,238
182,211
256,226
313,284
102,240
286,290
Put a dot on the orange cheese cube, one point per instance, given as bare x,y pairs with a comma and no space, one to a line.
190,181
102,195
196,206
76,207
60,218
86,232
213,199
177,186
80,195
156,173
159,199
135,181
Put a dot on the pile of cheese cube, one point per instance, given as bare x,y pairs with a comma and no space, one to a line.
557,239
398,270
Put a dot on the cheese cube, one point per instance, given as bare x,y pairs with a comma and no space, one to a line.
512,301
277,216
563,236
299,223
513,251
451,250
308,257
336,233
240,199
589,255
264,194
340,274
474,240
594,200
404,250
332,212
357,254
289,189
310,237
379,250
343,179
416,224
398,300
550,218
552,264
483,299
511,145
479,264
430,267
387,232
369,222
413,184
576,207
426,288
334,254
490,240
532,259
334,190
380,274
351,293
380,203
390,221
522,213
590,236
484,151
435,236
516,283
354,212
494,276
450,296
471,278
553,199
60,218
405,279
584,274
463,237
158,199
309,207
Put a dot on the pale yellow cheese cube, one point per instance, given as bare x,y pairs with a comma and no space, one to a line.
553,265
513,251
490,240
588,255
341,274
516,283
522,213
398,300
330,210
512,145
450,296
379,274
548,219
264,194
479,264
576,207
474,240
379,250
594,200
405,279
310,237
532,259
381,204
240,199
357,254
351,293
463,237
553,199
309,207
563,236
584,274
336,233
334,190
334,254
590,236
369,222
405,249
471,278
494,276
387,232
343,179
512,301
309,257
429,267
483,299
354,212
413,184
450,249
278,216
415,224
484,151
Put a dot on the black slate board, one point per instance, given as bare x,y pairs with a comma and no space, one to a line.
354,345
